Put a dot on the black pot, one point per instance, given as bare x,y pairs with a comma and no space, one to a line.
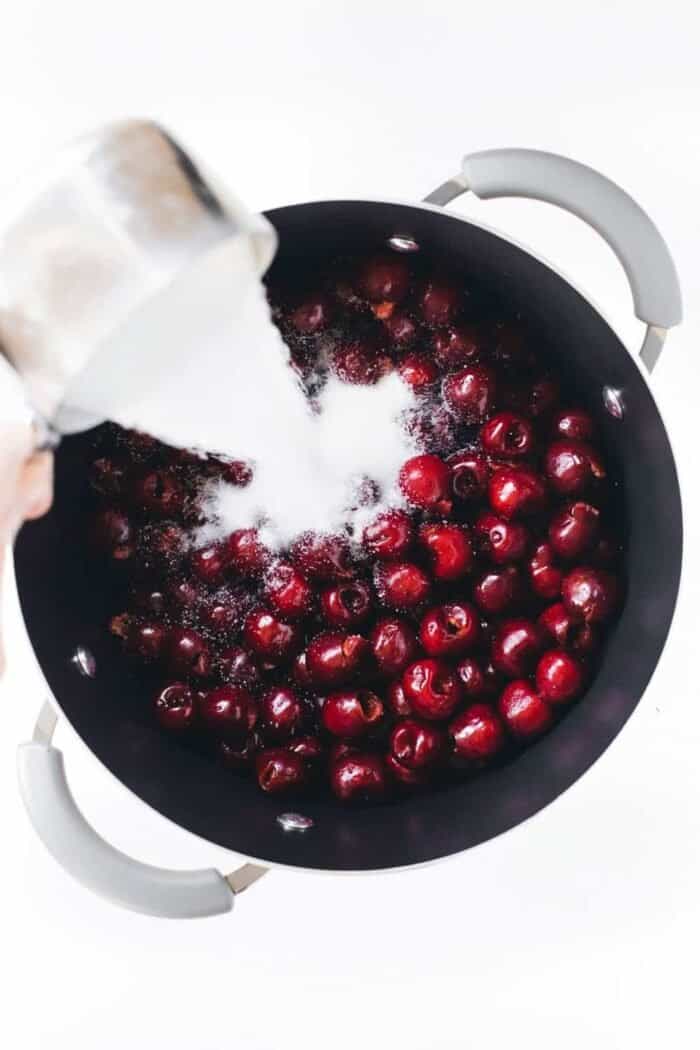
64,611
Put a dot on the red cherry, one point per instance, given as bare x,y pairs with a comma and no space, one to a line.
359,364
230,711
568,631
500,540
426,482
311,316
448,548
574,529
268,637
279,771
223,614
571,466
404,776
401,329
589,593
418,371
352,713
498,591
477,733
346,604
507,434
397,701
385,278
235,472
450,630
358,777
525,713
545,578
209,563
558,677
471,392
456,347
394,645
432,689
415,744
365,492
174,706
470,475
440,302
113,535
472,678
184,593
515,647
322,557
282,712
389,536
574,424
288,592
334,657
237,667
160,493
433,429
148,640
401,585
516,491
187,653
161,545
246,553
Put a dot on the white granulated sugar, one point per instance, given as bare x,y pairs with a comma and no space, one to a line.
215,375
307,478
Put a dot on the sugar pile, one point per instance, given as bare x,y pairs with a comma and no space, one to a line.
220,381
309,477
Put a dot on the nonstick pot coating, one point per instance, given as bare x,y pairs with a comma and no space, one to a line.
65,606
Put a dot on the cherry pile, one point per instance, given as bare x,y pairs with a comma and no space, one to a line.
453,634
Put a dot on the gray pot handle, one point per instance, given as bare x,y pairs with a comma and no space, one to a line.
99,866
586,193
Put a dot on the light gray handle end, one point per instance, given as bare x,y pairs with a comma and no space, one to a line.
601,203
99,866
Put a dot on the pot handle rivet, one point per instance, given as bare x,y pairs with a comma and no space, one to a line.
294,822
613,403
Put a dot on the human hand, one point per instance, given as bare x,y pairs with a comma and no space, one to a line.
26,485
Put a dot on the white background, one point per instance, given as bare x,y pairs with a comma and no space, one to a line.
579,928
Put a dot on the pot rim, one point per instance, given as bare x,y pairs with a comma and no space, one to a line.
275,864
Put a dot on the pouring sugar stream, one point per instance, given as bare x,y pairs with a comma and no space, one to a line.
130,291
230,390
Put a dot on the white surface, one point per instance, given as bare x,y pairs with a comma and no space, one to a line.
577,929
